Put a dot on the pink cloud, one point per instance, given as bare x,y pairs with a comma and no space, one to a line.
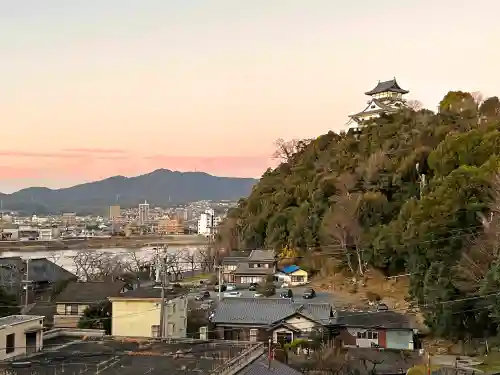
95,151
65,154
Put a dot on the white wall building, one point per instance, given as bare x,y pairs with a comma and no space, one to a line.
143,213
20,335
206,223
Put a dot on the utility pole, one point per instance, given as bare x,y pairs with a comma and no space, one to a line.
26,283
164,301
269,352
219,274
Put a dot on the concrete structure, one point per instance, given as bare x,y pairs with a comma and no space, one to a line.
87,352
206,223
386,97
10,234
114,212
20,335
45,234
170,226
143,213
68,219
137,313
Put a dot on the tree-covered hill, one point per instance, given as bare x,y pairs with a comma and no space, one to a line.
415,192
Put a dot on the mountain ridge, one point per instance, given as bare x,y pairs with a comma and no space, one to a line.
160,187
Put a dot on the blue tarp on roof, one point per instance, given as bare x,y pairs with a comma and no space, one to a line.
290,269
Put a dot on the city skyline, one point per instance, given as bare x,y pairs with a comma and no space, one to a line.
96,89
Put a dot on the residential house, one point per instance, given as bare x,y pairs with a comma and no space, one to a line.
382,329
293,275
256,268
229,264
42,273
77,296
136,313
20,335
257,319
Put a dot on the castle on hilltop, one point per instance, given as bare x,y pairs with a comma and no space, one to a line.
386,97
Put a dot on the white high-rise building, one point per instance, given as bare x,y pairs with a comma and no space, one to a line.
206,223
143,213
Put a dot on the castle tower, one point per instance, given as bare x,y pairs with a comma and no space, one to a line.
386,97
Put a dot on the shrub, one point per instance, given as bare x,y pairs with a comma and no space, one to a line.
372,297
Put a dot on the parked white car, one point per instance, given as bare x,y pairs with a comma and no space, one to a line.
232,294
230,287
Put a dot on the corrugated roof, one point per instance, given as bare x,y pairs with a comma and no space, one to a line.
370,319
266,311
290,269
16,319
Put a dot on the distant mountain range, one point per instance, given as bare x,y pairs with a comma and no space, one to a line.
160,188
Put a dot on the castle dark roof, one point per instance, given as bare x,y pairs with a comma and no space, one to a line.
387,86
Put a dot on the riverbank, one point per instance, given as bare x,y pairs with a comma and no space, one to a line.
102,243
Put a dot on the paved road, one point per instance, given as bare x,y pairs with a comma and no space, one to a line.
297,295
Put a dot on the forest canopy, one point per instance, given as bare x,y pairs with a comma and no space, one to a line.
414,192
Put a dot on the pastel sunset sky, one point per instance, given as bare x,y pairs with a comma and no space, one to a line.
95,88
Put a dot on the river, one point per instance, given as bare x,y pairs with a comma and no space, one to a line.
67,258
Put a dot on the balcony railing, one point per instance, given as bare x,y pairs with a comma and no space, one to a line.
244,359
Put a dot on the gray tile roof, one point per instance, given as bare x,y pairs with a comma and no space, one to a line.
266,311
152,292
40,269
261,256
244,269
261,367
391,86
234,260
380,319
89,292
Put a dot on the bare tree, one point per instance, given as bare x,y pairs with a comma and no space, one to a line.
286,149
483,249
478,97
206,257
415,105
371,168
341,224
228,238
190,259
98,266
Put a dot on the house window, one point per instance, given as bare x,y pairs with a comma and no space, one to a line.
172,308
253,334
71,309
250,279
155,331
370,335
297,279
10,343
